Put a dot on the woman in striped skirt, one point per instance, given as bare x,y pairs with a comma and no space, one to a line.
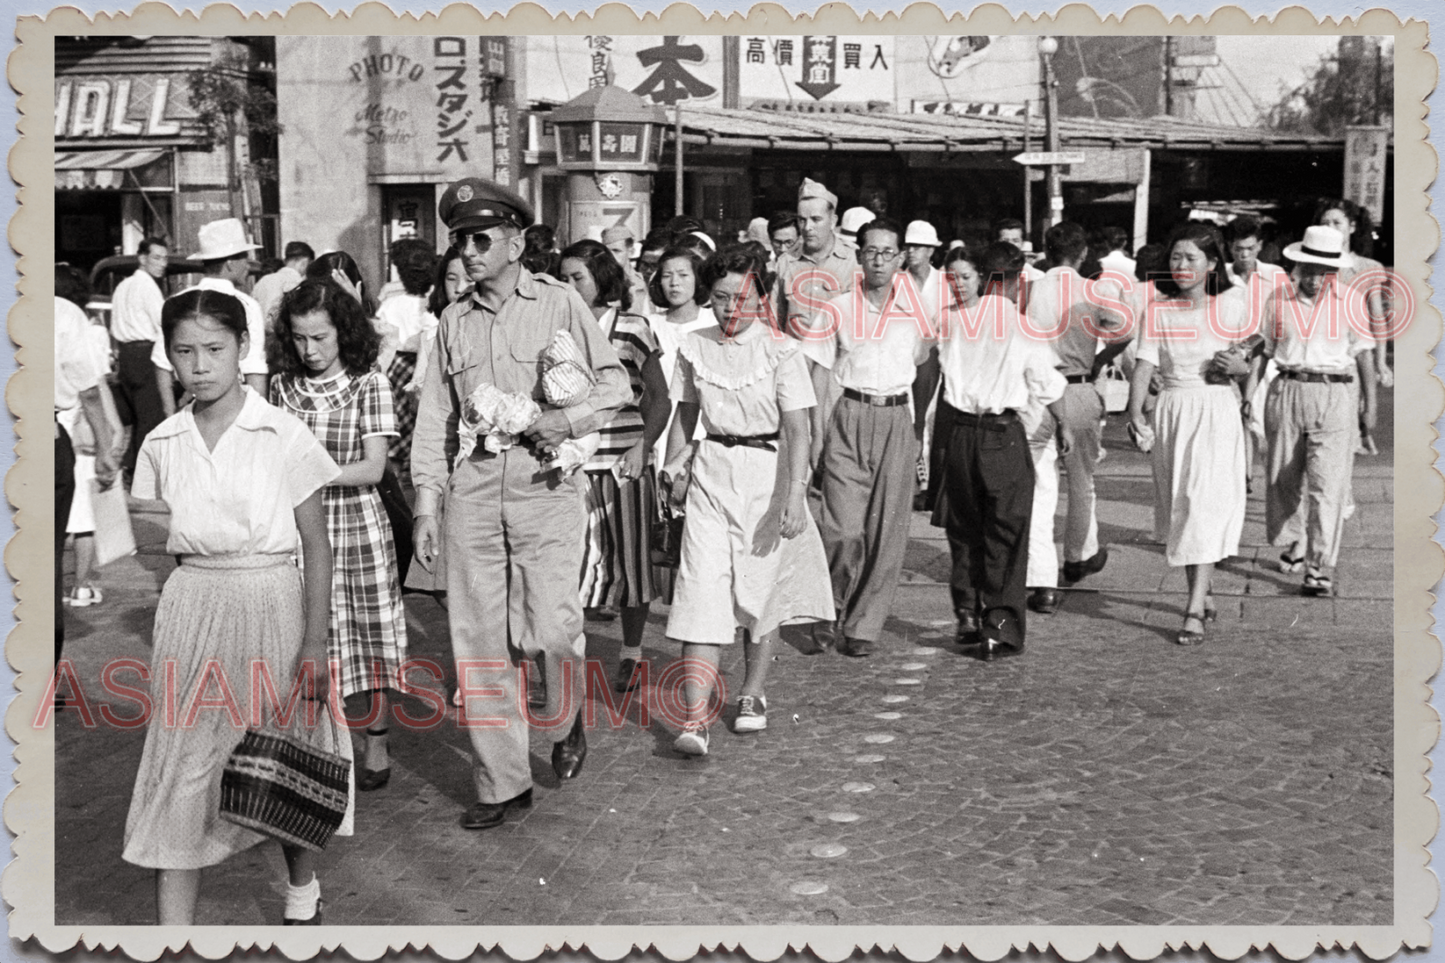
621,486
405,321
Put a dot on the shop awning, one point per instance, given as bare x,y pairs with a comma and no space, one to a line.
99,169
786,130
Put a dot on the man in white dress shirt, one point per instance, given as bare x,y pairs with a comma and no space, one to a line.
1310,412
870,442
135,324
270,289
1057,304
1116,239
224,250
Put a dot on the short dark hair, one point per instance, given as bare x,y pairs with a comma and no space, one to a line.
685,224
606,273
72,284
1210,242
1362,240
658,239
203,303
150,242
322,267
1150,260
737,259
437,302
356,337
1065,241
1241,227
1007,224
539,239
297,249
1114,237
880,224
782,220
654,286
416,268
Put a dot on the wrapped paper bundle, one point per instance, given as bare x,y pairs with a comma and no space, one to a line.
566,378
495,416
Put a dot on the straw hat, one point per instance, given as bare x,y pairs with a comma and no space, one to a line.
223,239
1321,245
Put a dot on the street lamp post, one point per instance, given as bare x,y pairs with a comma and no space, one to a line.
1048,46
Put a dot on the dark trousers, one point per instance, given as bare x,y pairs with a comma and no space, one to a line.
138,399
64,493
988,480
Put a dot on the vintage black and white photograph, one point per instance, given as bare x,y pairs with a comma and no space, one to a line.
725,479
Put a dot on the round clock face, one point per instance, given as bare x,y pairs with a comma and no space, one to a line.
609,184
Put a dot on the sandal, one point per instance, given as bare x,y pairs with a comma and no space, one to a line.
1187,637
1289,565
1317,584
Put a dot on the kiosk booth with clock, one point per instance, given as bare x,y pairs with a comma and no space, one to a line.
609,142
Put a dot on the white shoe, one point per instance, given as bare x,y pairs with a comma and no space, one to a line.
752,714
692,741
82,596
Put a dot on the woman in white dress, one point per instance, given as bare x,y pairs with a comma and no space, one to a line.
686,309
1197,433
752,558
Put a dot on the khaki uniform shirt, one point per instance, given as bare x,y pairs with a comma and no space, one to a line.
476,346
841,262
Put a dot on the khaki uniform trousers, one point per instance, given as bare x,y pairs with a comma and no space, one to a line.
513,539
1312,434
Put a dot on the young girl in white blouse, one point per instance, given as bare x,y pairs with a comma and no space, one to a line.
243,483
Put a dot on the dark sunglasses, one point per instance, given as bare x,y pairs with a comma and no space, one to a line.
480,239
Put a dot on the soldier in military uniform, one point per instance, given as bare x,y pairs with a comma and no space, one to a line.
513,532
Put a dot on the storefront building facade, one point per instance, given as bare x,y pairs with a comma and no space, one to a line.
130,159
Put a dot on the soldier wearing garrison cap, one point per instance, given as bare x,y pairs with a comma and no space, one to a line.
513,530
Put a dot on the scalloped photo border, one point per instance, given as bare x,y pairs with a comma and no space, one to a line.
28,880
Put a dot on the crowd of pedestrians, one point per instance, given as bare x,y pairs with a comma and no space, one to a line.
524,423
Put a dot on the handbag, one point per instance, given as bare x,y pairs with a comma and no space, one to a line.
114,537
1114,388
666,547
398,513
283,787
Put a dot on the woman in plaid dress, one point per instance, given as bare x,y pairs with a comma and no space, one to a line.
323,365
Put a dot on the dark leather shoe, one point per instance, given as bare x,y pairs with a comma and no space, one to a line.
857,648
373,779
1073,571
992,649
626,681
482,815
1045,600
569,754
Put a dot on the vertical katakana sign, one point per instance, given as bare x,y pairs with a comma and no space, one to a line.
454,114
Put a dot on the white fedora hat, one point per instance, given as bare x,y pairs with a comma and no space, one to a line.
223,239
1321,245
921,232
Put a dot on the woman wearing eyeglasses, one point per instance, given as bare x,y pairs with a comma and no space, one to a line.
752,558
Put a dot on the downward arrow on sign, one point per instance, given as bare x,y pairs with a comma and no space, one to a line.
820,66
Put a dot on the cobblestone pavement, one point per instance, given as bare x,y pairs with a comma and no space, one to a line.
1108,776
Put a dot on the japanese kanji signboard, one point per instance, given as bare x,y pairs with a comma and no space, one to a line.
662,70
854,69
1366,154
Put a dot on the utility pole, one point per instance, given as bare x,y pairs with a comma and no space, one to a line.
1048,46
677,203
1028,172
1168,76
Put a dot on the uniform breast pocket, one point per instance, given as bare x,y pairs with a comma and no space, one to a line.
528,344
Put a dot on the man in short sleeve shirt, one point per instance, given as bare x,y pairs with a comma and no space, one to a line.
135,325
870,443
225,252
1311,410
514,530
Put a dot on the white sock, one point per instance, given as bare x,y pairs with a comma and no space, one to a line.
301,901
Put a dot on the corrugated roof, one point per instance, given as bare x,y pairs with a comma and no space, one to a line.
783,130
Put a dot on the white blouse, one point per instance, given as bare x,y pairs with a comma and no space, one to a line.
240,498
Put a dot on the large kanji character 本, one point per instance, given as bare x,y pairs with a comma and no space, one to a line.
670,82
